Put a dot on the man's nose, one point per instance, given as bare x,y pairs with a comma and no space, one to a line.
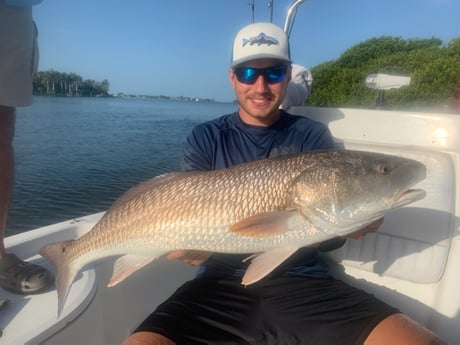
261,84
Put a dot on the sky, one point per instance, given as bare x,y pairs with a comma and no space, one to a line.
182,47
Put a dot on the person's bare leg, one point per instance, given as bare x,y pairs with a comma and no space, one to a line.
7,120
16,275
147,338
399,329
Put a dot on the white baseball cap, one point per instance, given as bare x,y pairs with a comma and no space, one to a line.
260,41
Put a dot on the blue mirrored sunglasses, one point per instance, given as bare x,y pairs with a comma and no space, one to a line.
272,75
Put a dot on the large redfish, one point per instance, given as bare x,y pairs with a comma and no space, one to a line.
271,207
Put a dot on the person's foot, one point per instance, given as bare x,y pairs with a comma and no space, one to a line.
22,277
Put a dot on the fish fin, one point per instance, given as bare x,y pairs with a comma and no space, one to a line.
65,270
127,265
264,224
265,263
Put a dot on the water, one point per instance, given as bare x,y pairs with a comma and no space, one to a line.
75,156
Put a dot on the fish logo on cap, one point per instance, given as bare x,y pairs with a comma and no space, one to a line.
260,39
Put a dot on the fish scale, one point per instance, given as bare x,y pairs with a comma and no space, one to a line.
271,207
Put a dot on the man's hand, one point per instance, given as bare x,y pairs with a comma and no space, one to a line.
372,227
192,257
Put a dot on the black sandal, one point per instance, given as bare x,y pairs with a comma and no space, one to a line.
22,277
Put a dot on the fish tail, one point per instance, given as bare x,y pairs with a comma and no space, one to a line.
65,270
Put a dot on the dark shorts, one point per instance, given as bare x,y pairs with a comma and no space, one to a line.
279,310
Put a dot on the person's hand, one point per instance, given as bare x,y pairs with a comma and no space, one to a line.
372,227
192,257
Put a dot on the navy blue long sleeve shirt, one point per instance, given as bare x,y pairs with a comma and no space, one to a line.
227,141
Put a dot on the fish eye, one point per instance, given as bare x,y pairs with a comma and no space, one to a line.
383,169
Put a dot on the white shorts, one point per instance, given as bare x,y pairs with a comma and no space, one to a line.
18,55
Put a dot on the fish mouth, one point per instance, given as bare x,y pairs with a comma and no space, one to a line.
409,196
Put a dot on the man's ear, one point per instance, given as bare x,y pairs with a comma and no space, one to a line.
232,77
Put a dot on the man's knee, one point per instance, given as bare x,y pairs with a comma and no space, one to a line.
399,329
147,338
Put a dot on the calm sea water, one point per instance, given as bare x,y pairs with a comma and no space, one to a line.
75,156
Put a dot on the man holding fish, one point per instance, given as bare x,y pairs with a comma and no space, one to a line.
297,302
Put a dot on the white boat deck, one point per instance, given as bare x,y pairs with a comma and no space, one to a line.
30,319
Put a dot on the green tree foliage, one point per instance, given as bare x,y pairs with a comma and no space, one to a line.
68,84
434,69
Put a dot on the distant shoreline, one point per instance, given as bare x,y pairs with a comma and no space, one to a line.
123,95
